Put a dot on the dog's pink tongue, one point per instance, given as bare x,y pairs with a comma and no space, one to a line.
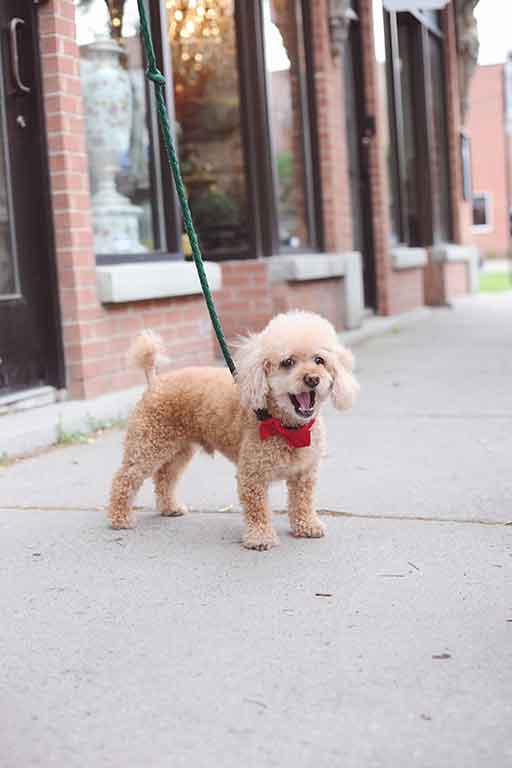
304,400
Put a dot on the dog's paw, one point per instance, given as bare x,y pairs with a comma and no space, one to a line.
310,529
260,540
122,523
177,511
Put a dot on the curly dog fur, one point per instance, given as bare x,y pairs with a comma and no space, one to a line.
297,354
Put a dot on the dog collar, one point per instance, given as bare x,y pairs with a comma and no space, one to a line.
296,437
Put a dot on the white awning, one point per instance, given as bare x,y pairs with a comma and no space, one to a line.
415,5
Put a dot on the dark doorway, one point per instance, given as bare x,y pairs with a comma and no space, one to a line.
359,133
29,338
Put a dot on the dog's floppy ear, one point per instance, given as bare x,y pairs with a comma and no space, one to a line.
345,387
251,377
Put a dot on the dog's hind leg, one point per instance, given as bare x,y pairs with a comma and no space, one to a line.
166,478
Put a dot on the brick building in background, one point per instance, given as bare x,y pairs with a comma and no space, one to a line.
490,130
322,149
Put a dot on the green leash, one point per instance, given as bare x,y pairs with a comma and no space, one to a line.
154,74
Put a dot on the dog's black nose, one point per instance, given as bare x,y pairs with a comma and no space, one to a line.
311,381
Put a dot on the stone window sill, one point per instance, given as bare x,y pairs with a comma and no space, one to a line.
118,283
299,267
449,252
408,258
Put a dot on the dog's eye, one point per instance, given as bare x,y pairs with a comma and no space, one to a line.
288,363
319,360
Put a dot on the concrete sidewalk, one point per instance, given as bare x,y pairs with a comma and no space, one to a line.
386,644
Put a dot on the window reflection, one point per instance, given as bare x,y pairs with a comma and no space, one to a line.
116,114
206,92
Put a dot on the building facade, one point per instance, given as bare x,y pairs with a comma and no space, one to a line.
323,151
490,126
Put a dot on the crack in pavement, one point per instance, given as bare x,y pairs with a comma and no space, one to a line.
234,510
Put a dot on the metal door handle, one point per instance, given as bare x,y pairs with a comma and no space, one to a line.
15,56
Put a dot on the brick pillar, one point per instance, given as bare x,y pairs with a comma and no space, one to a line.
331,126
69,183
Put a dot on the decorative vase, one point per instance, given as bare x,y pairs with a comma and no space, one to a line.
108,115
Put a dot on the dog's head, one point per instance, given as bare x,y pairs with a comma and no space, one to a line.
293,366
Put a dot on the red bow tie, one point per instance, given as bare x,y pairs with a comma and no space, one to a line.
296,438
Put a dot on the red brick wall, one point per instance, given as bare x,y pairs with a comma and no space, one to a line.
98,363
405,290
244,302
444,282
322,296
433,284
69,180
486,126
248,299
456,279
331,126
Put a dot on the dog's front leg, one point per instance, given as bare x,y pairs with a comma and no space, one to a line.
304,520
253,492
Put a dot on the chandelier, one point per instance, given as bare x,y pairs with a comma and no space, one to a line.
116,11
196,31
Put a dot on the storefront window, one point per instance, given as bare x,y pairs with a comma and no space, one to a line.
202,39
118,136
284,60
419,178
246,151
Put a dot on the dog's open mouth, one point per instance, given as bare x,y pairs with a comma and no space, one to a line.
304,403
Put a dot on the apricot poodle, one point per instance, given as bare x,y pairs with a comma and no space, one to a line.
267,422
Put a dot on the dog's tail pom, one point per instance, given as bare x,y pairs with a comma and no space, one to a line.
147,352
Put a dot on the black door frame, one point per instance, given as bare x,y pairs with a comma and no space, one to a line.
365,130
54,351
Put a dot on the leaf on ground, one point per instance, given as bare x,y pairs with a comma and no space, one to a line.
441,656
